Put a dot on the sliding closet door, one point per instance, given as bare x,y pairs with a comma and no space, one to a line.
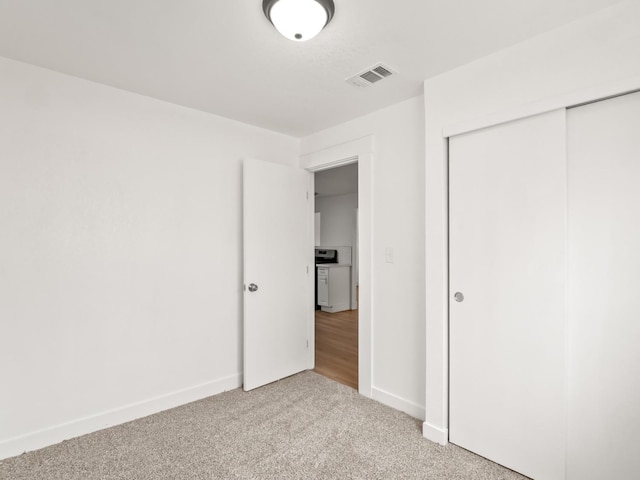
604,290
507,294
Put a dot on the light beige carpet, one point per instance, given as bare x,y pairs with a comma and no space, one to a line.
302,427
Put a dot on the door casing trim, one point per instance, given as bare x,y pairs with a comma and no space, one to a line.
360,150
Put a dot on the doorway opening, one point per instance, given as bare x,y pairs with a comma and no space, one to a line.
336,309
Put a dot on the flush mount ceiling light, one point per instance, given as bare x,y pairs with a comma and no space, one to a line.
299,20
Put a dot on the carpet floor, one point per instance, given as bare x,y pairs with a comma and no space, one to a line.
302,427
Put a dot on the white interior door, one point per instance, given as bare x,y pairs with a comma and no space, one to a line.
507,258
604,278
278,272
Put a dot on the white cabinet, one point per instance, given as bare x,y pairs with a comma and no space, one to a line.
323,286
334,288
316,229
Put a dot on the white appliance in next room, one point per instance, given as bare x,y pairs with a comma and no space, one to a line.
333,279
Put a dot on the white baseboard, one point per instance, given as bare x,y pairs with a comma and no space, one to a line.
338,307
402,404
82,426
435,434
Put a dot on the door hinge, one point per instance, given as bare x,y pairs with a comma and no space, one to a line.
307,343
307,195
307,269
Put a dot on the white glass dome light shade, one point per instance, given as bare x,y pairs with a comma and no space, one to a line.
299,20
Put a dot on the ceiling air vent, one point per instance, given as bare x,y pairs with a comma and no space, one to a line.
371,75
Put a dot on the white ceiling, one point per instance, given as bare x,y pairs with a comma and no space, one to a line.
224,57
337,181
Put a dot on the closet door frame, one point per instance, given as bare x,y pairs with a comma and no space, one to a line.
575,99
570,100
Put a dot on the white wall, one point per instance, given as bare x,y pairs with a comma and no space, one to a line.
398,222
120,253
582,55
338,219
339,224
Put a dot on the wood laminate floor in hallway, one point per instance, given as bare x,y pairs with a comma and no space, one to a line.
337,346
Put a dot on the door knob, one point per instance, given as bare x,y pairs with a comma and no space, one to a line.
253,287
458,297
